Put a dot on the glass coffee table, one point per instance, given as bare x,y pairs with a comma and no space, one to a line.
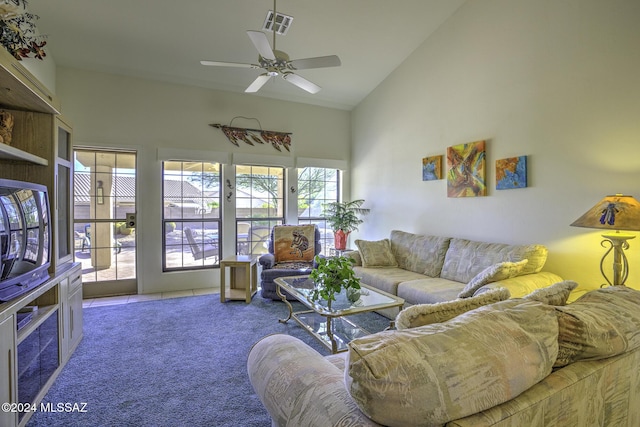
331,326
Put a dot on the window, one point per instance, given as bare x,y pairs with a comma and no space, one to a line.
191,215
317,187
259,206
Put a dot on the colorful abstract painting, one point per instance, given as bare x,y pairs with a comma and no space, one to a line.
466,170
431,168
511,173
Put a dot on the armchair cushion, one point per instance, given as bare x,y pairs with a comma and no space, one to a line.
274,267
294,243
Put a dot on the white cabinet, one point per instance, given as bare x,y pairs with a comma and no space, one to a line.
7,365
71,302
32,356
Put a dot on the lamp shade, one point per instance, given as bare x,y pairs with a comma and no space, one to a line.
617,212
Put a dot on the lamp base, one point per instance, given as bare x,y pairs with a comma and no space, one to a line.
617,243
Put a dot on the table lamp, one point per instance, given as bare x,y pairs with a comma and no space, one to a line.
615,213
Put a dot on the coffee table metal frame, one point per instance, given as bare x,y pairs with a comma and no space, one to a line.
337,330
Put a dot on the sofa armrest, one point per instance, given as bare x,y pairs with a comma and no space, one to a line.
561,398
267,261
299,387
520,286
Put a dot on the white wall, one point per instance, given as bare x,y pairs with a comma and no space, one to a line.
115,111
554,80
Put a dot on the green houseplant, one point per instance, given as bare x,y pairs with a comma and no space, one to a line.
343,218
331,275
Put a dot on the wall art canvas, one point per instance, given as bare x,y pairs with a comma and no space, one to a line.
511,173
431,168
466,170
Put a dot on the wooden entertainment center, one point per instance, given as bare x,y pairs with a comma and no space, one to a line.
35,347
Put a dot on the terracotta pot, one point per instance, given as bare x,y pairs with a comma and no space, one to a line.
340,240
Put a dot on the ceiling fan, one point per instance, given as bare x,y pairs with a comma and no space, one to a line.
277,63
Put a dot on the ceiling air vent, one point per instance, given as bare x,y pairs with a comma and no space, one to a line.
280,24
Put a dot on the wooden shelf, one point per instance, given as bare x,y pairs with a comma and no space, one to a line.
11,153
21,90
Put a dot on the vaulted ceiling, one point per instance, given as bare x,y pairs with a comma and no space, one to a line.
165,40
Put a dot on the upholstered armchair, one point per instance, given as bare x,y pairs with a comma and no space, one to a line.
291,252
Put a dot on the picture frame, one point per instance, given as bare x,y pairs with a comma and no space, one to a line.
432,168
466,171
511,173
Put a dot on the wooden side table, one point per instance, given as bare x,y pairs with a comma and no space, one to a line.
243,277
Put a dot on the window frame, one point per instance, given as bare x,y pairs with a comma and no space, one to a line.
255,237
200,238
327,240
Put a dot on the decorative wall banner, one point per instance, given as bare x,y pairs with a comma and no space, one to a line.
511,173
466,170
432,168
249,136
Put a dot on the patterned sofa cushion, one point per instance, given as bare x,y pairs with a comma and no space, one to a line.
556,294
466,258
600,324
376,253
386,279
493,273
426,314
418,253
437,373
429,290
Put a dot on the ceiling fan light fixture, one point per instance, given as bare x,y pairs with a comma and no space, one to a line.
280,24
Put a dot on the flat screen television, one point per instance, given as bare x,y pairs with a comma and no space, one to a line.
25,237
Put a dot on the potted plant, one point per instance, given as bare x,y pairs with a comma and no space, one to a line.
343,218
331,275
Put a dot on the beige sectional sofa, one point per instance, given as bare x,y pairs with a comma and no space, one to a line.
517,362
429,269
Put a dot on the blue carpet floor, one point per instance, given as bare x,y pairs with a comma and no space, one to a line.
172,362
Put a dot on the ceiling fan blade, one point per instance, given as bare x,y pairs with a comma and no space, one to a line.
301,82
228,64
261,42
258,83
317,62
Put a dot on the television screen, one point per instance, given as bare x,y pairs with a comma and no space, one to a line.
25,237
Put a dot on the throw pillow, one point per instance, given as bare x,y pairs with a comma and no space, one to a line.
294,243
493,273
376,253
433,374
425,314
419,253
556,294
600,324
